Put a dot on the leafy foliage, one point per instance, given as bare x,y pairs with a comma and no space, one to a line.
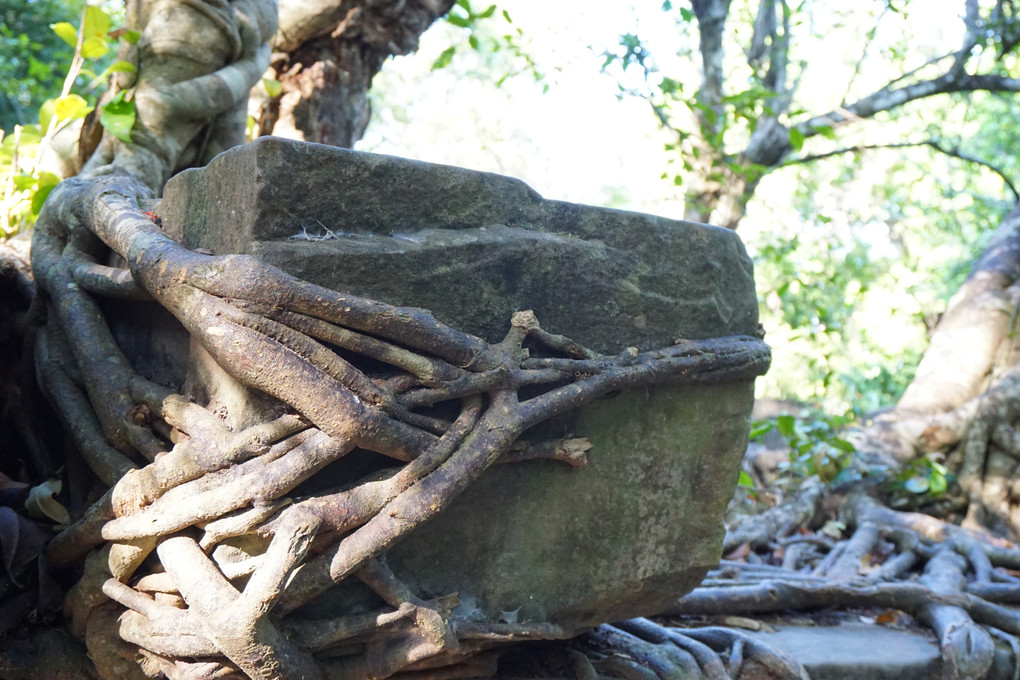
493,37
25,181
921,481
33,58
855,262
816,446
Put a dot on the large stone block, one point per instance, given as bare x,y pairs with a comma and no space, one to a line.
472,247
641,523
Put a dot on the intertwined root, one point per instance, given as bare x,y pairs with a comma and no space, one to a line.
959,583
201,553
983,446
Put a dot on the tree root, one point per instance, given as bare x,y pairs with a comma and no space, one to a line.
953,580
643,649
984,447
201,553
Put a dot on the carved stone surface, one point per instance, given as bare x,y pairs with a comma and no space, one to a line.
538,541
472,247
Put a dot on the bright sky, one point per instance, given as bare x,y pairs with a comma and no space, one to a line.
576,142
579,141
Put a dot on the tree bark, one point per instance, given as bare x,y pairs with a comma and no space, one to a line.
325,55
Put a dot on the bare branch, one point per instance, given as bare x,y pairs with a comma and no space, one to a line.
932,143
887,99
864,53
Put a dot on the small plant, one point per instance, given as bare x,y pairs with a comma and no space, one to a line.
921,481
815,445
24,182
746,484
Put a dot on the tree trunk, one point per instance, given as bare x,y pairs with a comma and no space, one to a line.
965,396
325,55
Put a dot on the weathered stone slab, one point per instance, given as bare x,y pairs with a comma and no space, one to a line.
538,541
858,651
469,246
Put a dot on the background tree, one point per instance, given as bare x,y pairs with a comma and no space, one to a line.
745,118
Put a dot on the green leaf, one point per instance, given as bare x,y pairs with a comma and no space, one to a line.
38,70
71,107
826,131
759,430
118,117
46,112
66,33
916,485
845,476
463,22
842,444
506,15
47,180
745,480
131,36
489,11
686,14
95,47
24,182
785,423
273,87
120,67
796,139
444,59
473,41
97,22
937,484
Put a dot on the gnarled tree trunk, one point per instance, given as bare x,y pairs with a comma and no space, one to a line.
325,55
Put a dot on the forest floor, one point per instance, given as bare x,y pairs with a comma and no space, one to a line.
852,578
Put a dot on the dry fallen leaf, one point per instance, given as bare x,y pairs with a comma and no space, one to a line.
41,502
747,624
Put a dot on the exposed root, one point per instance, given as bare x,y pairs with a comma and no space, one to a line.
202,552
956,581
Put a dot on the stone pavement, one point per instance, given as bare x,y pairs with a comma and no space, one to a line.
860,651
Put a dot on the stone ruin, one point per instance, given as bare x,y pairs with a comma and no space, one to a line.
537,541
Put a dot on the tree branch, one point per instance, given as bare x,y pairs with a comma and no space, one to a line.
932,143
886,99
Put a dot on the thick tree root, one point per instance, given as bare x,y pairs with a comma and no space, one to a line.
201,553
957,582
984,450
